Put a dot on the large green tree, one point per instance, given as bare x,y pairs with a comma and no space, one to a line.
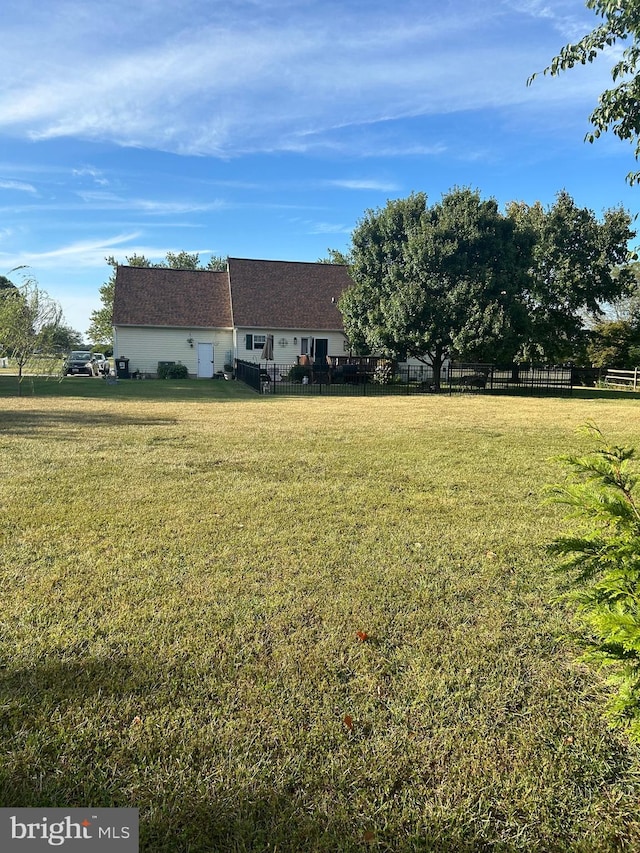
579,263
460,279
100,331
437,282
618,108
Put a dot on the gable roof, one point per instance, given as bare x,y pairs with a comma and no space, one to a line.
251,294
159,296
286,294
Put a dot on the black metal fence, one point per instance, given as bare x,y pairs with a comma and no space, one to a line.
342,379
512,378
371,377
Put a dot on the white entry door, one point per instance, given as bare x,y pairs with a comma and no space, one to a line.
205,361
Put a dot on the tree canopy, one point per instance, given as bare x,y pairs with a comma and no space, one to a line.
60,338
431,282
578,265
615,343
618,108
627,306
6,284
460,279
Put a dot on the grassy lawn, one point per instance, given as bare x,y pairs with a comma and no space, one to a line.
322,624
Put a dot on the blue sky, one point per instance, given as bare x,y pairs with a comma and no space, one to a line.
265,128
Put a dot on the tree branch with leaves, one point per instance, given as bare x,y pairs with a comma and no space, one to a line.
618,108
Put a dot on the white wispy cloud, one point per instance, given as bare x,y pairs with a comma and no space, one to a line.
364,184
84,253
328,228
568,19
90,172
258,77
98,200
17,185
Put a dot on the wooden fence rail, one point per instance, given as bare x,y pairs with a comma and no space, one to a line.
623,378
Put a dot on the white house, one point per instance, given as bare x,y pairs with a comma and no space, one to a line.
205,319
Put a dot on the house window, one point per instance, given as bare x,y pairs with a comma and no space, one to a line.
304,346
259,341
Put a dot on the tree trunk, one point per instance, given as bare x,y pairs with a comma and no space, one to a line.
437,360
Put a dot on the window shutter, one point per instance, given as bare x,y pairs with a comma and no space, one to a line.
248,344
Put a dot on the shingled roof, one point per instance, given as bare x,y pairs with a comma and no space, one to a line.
286,294
157,296
251,294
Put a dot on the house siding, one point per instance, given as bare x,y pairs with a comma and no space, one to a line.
286,353
146,346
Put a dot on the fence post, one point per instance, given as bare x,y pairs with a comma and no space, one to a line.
635,379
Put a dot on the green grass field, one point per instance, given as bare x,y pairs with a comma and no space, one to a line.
301,624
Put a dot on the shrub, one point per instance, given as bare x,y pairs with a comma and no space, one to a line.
298,372
173,371
602,565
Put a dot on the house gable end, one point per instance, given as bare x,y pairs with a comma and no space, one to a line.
163,297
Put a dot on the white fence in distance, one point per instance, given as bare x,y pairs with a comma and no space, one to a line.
623,378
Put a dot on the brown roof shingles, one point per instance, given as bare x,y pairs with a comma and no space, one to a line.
157,296
251,294
286,294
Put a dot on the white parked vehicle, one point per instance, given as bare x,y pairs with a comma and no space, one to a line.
101,363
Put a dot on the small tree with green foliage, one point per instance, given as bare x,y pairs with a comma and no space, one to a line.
602,564
60,338
28,316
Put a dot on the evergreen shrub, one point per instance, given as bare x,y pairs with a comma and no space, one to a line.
601,562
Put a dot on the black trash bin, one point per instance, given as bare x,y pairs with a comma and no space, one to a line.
122,368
